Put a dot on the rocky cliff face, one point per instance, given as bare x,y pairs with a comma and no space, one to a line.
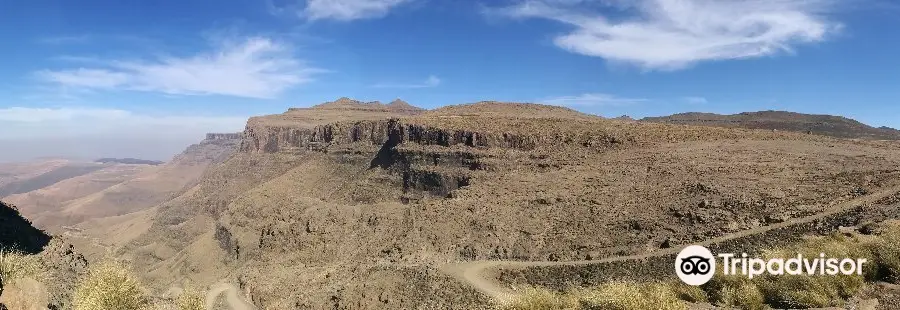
16,232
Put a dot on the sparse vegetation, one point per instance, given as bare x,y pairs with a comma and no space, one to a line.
612,296
541,299
882,251
110,286
190,299
17,265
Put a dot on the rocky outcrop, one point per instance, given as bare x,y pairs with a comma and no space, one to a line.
129,161
262,139
58,257
223,136
16,232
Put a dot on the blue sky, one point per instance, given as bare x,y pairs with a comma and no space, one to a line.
167,71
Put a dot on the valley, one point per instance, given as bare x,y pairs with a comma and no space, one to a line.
364,205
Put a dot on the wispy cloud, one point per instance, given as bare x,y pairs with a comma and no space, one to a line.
255,67
592,100
673,34
695,100
74,39
347,10
431,81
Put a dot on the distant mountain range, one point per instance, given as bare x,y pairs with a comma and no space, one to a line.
827,125
129,161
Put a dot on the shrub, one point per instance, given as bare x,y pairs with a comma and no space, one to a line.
820,291
631,296
735,291
110,286
688,293
17,265
887,252
540,299
610,296
190,299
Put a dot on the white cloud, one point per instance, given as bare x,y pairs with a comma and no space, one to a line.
256,68
673,34
431,81
99,132
347,10
592,99
695,100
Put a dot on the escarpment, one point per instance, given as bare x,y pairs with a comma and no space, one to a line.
353,205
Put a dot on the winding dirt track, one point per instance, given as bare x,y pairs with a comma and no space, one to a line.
482,275
234,299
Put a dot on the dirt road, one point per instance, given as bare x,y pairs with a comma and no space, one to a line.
233,298
482,275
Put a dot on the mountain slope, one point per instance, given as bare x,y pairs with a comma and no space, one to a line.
59,258
121,189
16,232
359,208
828,125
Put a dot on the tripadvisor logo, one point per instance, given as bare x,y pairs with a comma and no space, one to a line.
696,265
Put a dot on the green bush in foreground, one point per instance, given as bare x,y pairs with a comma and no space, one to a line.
110,286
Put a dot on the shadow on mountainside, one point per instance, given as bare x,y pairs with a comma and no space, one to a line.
16,232
387,155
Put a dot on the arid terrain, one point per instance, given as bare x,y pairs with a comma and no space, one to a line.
828,125
363,205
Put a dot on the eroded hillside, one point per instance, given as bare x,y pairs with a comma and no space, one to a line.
58,258
353,205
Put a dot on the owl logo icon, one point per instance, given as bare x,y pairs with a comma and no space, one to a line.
695,265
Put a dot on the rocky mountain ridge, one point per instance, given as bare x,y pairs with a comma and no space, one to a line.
828,125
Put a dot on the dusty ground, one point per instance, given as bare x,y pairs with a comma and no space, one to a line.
341,208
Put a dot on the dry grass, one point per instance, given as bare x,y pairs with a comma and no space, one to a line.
802,291
611,296
541,299
887,251
110,286
631,296
17,265
735,291
882,251
190,299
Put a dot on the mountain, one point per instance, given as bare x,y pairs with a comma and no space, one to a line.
129,161
828,125
16,232
118,189
59,258
354,205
